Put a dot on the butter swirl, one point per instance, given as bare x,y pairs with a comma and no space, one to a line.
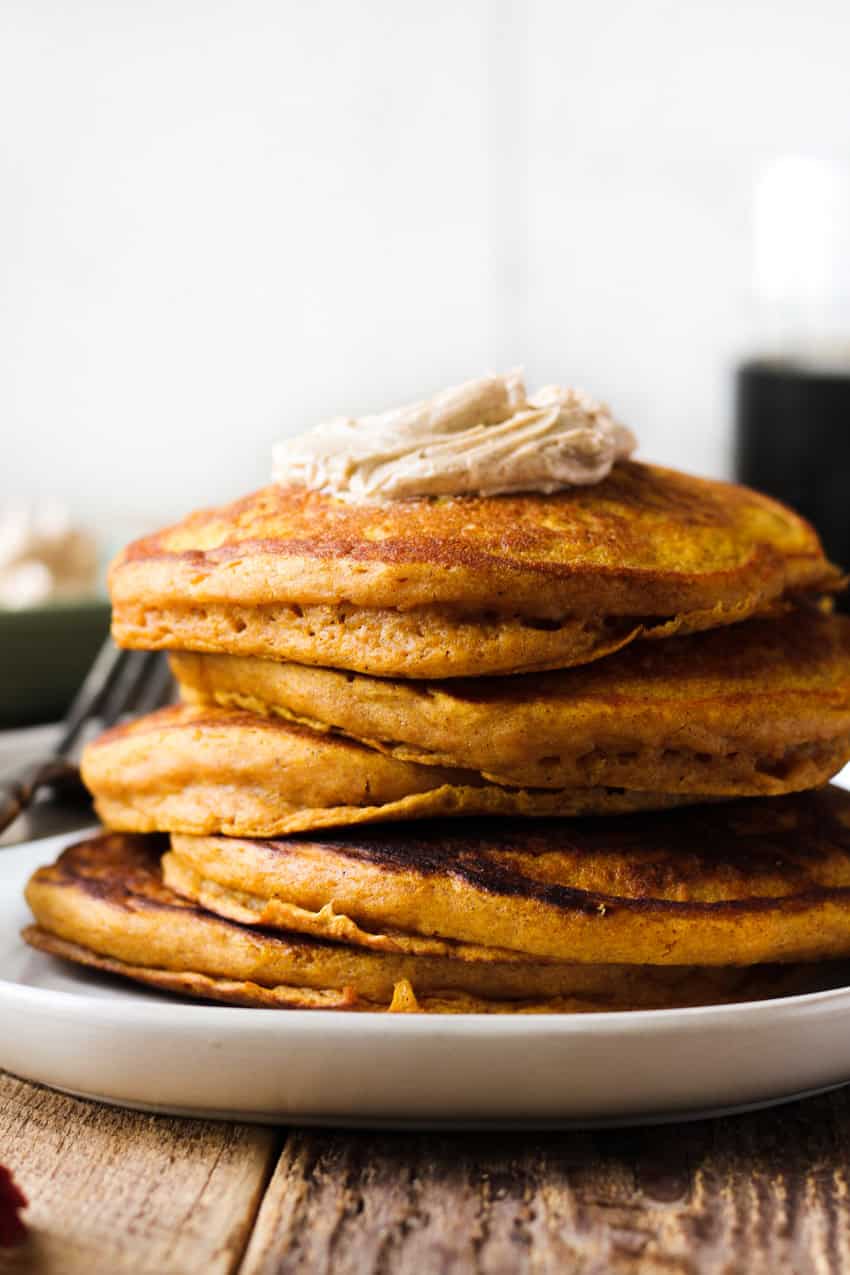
484,438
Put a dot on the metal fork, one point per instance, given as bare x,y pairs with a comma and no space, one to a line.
118,683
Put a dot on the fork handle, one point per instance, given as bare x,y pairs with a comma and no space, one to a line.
19,786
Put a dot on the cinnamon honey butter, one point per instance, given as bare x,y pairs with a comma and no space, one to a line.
486,437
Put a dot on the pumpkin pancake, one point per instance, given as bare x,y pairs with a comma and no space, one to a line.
205,769
465,586
103,904
762,708
737,883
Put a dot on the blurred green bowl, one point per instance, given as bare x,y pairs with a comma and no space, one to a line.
45,652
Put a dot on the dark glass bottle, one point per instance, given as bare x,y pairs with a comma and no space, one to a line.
792,440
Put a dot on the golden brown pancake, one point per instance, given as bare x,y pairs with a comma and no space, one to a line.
103,904
761,708
737,883
459,587
205,769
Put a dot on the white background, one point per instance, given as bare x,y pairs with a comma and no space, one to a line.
224,221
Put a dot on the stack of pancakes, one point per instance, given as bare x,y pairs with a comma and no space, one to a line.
485,677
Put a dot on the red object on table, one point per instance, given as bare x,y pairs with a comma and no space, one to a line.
12,1200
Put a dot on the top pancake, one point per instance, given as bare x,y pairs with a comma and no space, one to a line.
452,587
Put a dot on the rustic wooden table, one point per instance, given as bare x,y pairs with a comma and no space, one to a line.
113,1192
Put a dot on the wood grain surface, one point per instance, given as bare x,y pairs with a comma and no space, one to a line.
114,1191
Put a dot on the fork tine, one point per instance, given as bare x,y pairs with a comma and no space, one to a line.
157,686
125,686
98,682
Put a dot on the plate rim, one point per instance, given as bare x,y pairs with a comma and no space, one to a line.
570,1048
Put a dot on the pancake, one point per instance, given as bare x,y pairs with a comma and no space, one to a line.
762,708
738,883
205,769
103,904
465,586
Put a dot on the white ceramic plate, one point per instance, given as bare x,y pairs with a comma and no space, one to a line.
103,1038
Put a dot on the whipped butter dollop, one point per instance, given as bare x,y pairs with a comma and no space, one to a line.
484,438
